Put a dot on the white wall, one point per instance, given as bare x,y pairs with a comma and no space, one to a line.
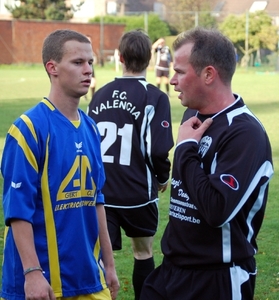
5,14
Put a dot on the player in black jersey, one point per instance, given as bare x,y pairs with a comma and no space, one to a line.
221,172
163,63
134,121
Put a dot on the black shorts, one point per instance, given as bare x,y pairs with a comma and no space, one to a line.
136,222
169,282
162,73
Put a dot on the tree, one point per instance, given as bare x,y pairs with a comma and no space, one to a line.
186,14
155,26
250,32
43,10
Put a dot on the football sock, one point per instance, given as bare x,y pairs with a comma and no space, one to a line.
142,268
158,85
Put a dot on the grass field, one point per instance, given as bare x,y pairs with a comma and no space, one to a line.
23,86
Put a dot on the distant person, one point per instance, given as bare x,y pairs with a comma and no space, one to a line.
134,120
56,240
163,63
220,176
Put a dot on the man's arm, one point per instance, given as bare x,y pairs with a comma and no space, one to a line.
157,43
36,286
107,254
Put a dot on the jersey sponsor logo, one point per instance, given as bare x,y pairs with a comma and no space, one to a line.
183,203
185,218
175,183
16,185
230,181
71,205
205,144
178,209
78,182
165,124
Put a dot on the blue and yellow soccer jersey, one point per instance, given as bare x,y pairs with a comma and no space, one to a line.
53,175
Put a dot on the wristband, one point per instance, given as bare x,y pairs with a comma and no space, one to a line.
29,270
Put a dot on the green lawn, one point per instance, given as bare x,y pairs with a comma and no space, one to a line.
23,86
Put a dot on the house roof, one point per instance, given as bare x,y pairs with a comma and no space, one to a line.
138,5
241,6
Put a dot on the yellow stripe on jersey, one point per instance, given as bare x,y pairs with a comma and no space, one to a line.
15,132
6,230
96,255
48,104
54,266
29,124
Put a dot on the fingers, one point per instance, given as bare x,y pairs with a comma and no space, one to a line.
114,291
162,187
195,123
193,129
52,296
206,123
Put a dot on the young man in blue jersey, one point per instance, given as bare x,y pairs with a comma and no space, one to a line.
221,172
134,120
56,241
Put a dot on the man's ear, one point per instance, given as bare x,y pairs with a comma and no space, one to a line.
121,59
51,67
209,73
